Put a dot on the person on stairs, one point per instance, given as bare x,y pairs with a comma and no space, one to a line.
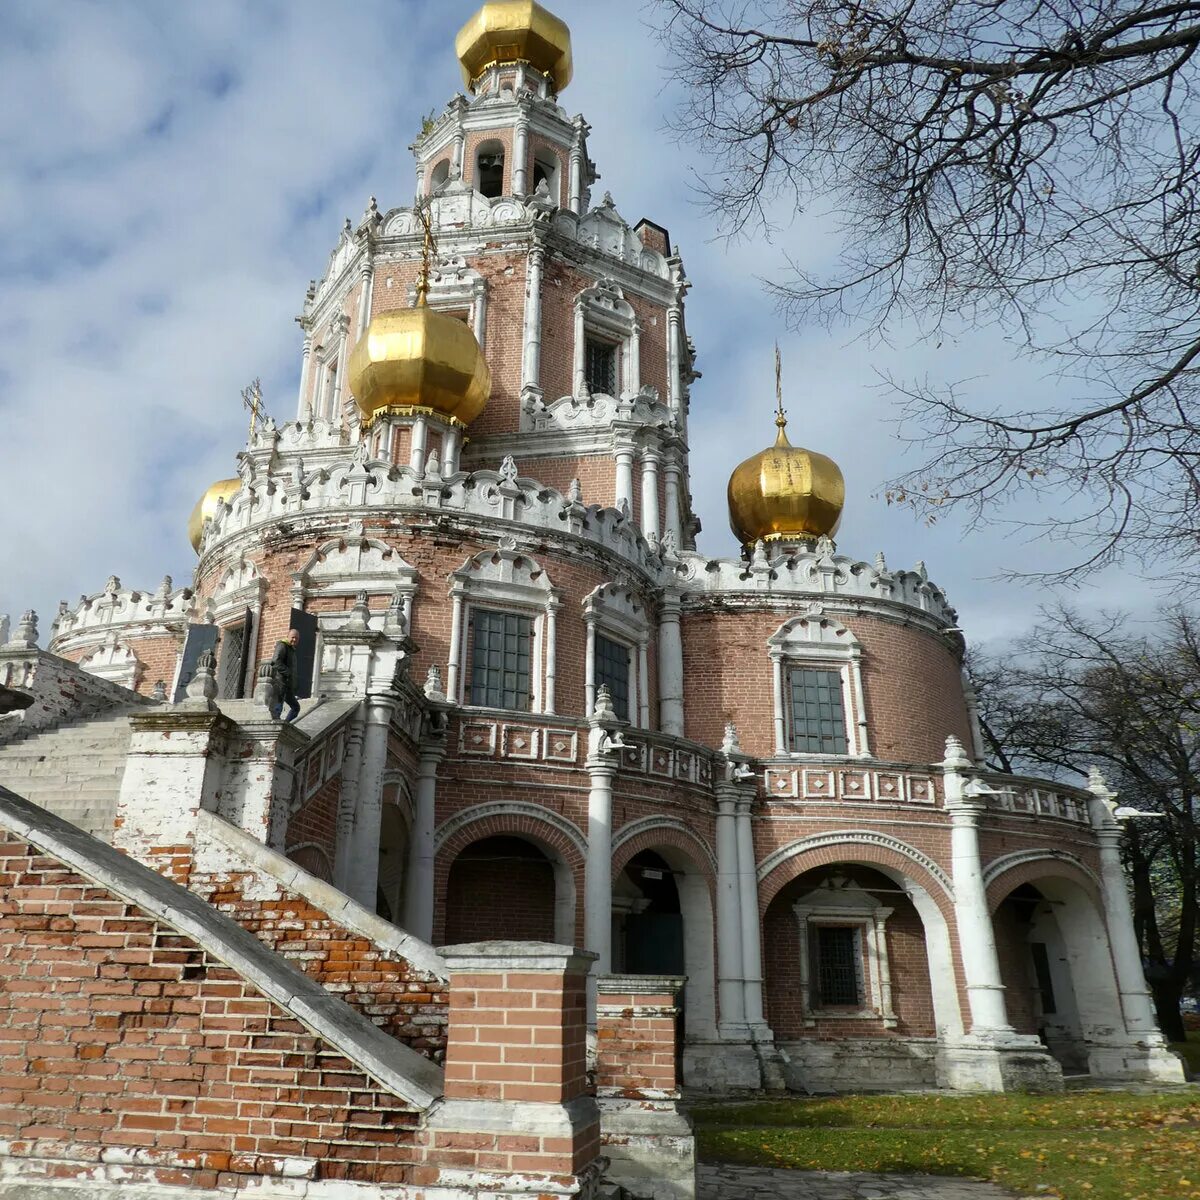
283,678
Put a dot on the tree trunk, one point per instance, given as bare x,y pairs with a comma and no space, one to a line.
1167,993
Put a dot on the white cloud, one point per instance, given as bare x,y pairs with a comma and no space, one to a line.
172,175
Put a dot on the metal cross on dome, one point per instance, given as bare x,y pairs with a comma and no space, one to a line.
424,214
252,399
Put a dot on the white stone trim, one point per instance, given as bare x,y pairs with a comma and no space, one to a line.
508,808
603,310
507,580
818,639
856,837
648,824
616,612
1017,858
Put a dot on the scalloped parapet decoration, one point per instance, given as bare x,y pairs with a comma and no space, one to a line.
119,609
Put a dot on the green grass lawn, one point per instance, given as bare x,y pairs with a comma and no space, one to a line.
1098,1145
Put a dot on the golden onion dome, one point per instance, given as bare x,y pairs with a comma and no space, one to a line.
419,357
206,507
510,31
785,493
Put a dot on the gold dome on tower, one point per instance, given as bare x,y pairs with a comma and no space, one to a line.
420,358
206,507
785,493
505,31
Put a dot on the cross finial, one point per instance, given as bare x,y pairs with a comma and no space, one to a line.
780,415
252,399
428,247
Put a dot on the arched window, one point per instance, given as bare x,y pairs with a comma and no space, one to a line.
489,169
440,176
546,168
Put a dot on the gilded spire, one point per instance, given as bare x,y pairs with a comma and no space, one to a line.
780,415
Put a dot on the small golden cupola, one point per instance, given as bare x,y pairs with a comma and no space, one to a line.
206,507
413,360
785,493
514,31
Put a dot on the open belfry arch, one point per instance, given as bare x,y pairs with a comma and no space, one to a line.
738,801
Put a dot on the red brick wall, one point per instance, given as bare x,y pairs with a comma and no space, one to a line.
912,686
118,1032
635,1043
1016,964
487,899
315,822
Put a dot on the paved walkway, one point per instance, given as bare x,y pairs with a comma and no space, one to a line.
720,1181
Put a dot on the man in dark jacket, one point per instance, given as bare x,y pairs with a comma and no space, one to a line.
283,677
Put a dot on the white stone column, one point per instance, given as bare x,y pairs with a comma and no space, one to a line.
673,516
670,666
416,452
531,334
451,449
458,152
633,361
364,857
453,689
730,990
342,325
366,276
674,389
548,700
520,151
578,372
576,165
597,885
589,668
976,935
777,686
479,315
348,802
752,978
305,375
419,886
1136,1000
643,656
650,525
623,453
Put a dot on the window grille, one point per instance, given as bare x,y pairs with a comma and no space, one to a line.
500,659
232,662
837,974
612,669
818,716
600,366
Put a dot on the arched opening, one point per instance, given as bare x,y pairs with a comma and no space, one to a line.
858,979
663,925
1057,969
546,170
489,169
439,176
393,860
511,888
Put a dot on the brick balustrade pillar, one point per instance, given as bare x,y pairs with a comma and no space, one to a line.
517,1099
643,1133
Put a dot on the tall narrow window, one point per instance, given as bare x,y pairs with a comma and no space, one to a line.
489,170
500,659
600,367
612,670
818,715
837,968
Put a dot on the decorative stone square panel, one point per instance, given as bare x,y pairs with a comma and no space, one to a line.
519,741
661,761
634,757
560,745
889,787
782,784
684,764
703,771
818,784
920,789
854,785
312,774
477,737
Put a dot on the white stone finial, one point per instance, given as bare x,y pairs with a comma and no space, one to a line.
113,586
956,757
433,685
731,743
159,694
396,621
603,707
575,491
880,563
202,687
360,614
4,628
27,630
508,469
758,556
433,465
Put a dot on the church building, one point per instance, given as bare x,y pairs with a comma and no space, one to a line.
744,796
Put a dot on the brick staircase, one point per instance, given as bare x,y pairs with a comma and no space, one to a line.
72,770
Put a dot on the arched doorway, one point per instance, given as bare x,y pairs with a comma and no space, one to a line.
1057,969
508,887
662,916
859,984
393,863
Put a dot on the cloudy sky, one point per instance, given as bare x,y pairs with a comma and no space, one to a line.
173,174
